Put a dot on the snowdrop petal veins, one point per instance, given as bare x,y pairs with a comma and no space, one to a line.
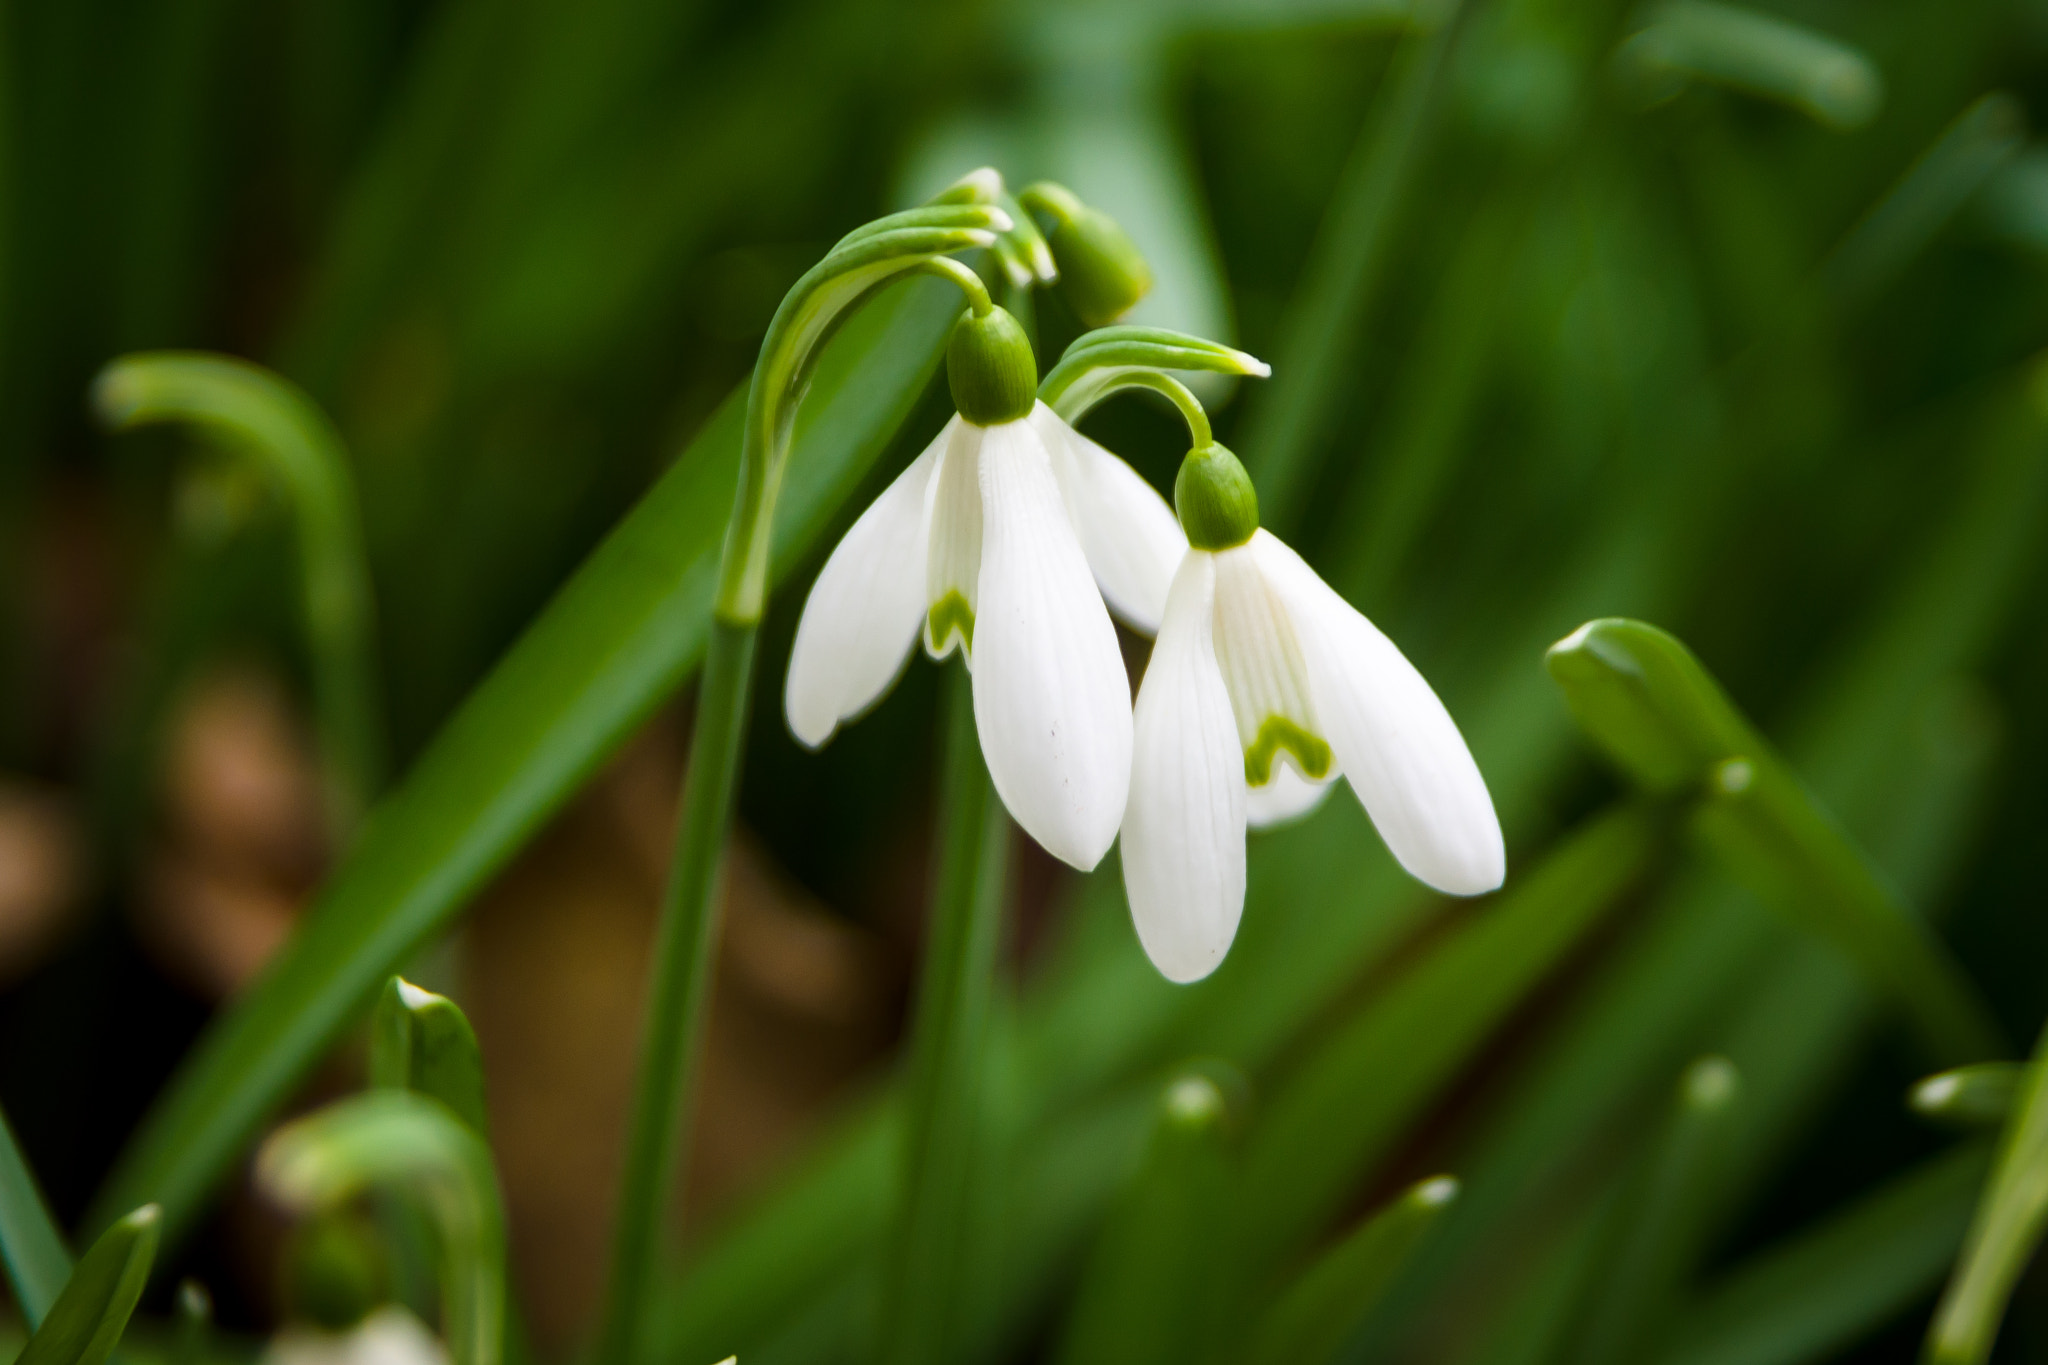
1392,738
1051,700
1261,658
862,617
1288,796
1183,834
952,523
1128,531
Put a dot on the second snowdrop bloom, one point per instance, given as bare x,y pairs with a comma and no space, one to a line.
985,545
1265,685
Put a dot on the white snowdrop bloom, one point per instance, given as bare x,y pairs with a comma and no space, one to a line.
1264,687
389,1336
993,542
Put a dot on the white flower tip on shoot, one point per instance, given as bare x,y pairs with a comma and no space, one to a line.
1733,776
1250,364
1711,1083
984,183
1193,1101
1042,262
1574,641
982,237
1436,1191
1000,220
413,997
1936,1093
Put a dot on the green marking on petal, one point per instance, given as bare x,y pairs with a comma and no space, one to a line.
949,616
1311,754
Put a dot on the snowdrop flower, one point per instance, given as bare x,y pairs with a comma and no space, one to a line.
389,1336
993,543
1264,686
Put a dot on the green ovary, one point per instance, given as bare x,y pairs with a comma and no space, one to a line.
1311,755
948,616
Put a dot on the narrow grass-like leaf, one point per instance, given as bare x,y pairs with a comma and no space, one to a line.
1344,270
398,1140
1634,1278
1979,1096
1160,1283
37,1261
1317,1313
86,1322
616,640
1932,191
422,1042
1643,698
2011,1215
283,432
1759,53
1808,1297
1328,1124
193,1313
1771,833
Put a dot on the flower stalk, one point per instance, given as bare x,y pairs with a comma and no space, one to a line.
853,272
923,1278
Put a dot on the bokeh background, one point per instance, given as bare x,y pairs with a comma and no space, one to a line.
1568,319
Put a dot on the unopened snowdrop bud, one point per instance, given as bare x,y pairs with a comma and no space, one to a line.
1214,497
990,368
1102,272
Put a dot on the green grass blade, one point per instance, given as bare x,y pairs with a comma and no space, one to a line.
1343,273
1359,1091
1319,1311
37,1261
284,434
1808,1297
1635,1276
1646,701
1160,1284
422,1042
2011,1215
1979,1096
619,637
88,1318
1775,838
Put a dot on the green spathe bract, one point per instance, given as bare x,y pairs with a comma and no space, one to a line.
990,368
1214,497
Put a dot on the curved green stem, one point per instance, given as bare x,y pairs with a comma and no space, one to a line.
863,263
273,424
969,283
1106,384
396,1139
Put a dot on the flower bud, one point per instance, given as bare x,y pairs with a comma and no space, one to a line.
1102,272
990,368
1214,497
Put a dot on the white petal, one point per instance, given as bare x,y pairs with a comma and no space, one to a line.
1183,836
1392,738
1051,699
1286,796
864,611
953,541
1131,537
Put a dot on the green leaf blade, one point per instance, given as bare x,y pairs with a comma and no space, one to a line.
86,1322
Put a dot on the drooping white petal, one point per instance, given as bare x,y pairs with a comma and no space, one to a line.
1287,796
1393,739
1051,700
953,542
1183,835
1131,537
864,611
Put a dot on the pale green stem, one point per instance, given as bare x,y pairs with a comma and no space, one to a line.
923,1282
261,416
1075,402
862,263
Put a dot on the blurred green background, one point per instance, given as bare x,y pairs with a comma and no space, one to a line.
1575,309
